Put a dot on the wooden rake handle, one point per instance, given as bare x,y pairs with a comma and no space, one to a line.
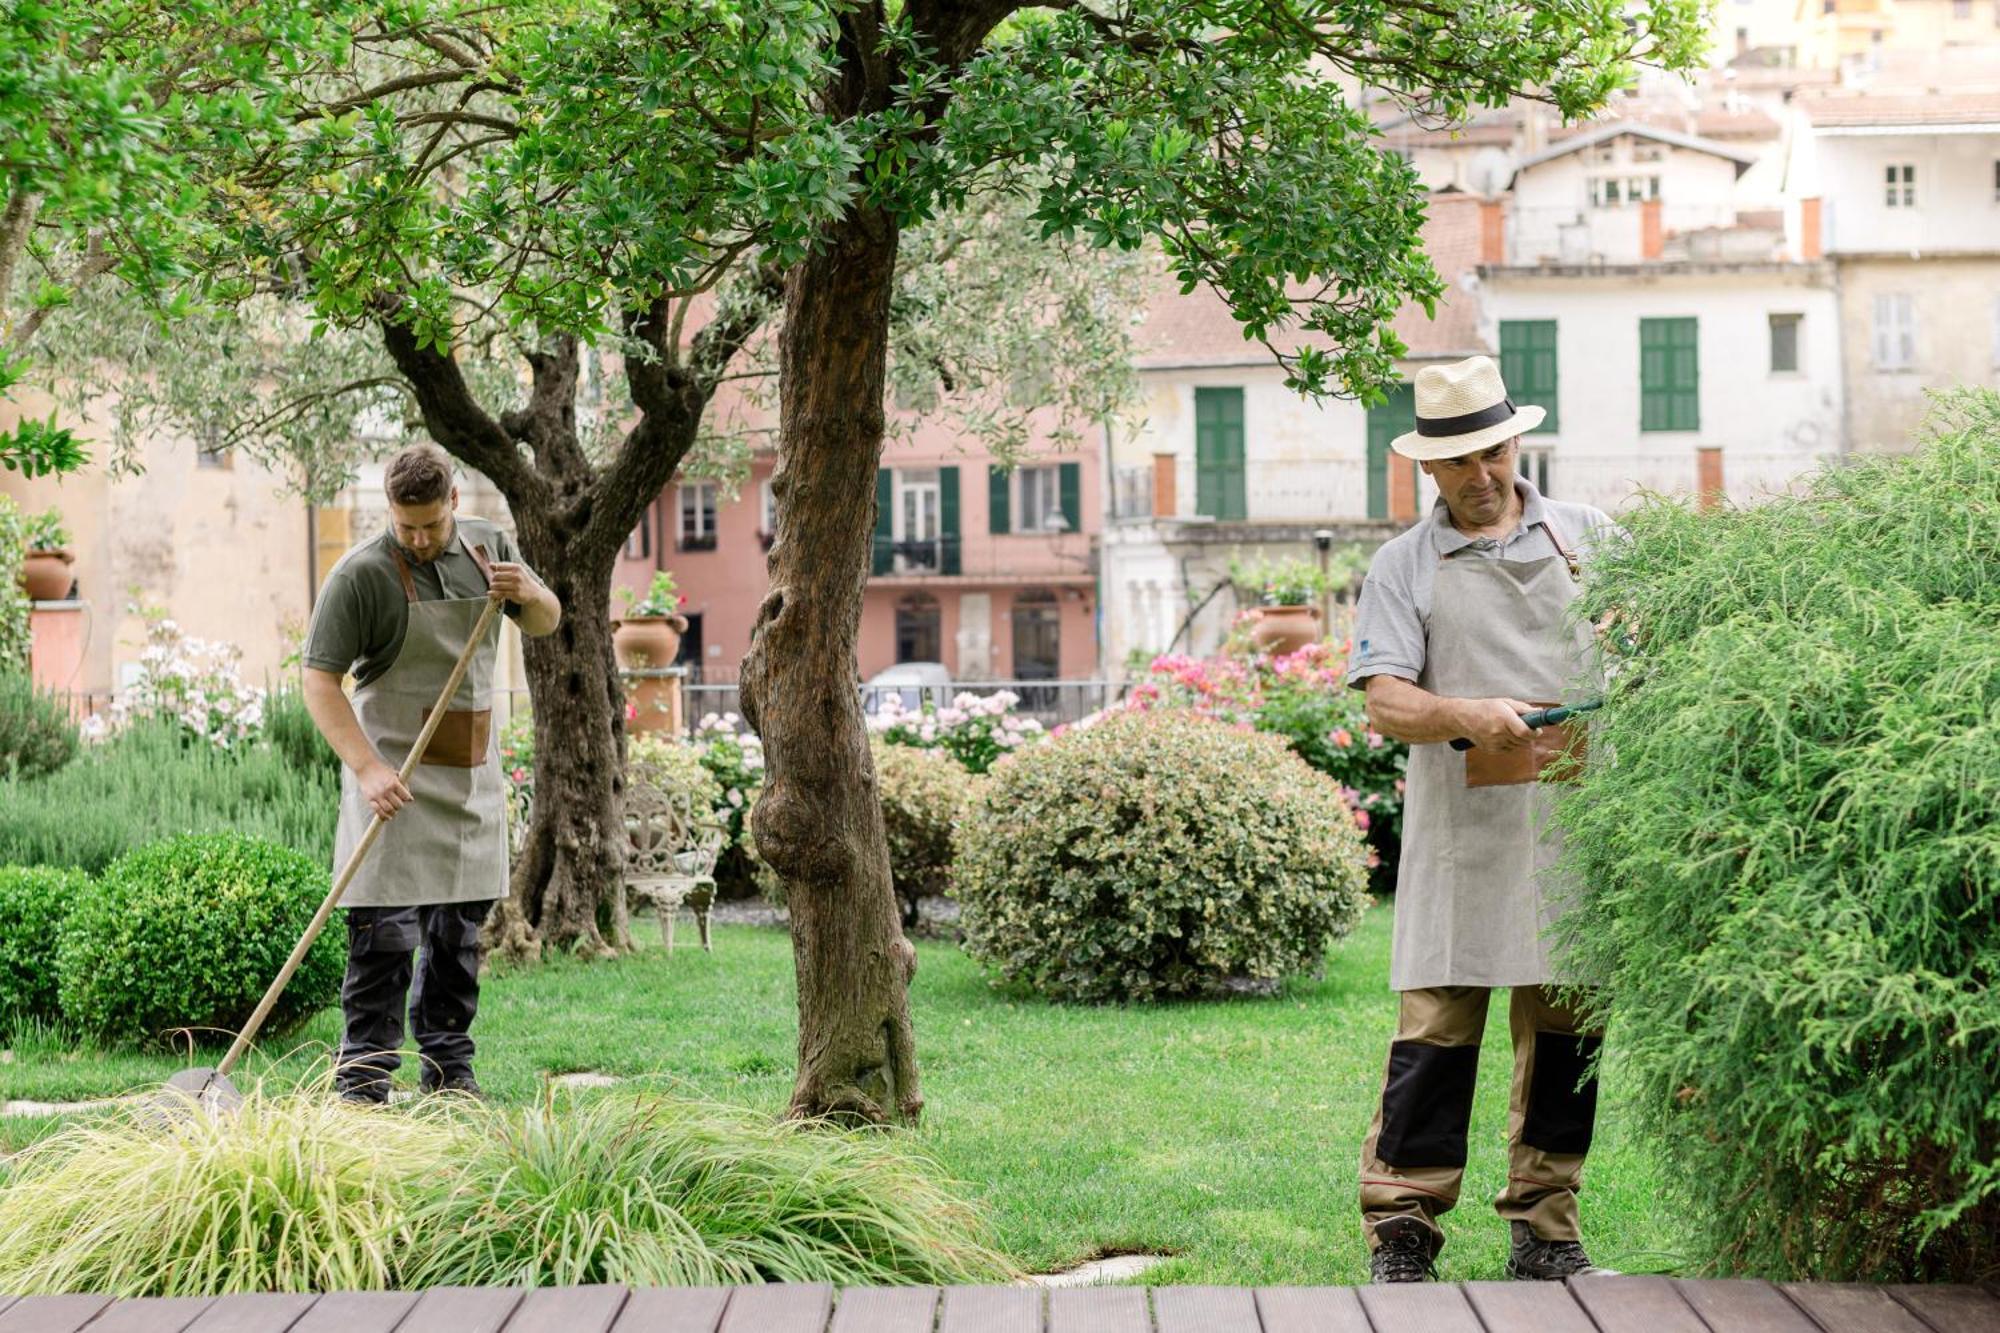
332,900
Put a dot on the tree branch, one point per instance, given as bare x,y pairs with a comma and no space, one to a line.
452,415
15,225
96,264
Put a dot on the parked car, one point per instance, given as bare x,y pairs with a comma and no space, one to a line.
912,682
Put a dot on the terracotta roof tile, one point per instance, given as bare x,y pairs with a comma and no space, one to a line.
1829,110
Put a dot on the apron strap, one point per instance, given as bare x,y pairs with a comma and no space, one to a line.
403,571
1575,570
479,557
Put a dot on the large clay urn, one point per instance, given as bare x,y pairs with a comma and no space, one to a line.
46,575
1285,629
647,641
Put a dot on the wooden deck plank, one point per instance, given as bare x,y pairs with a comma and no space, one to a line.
1418,1307
778,1308
51,1314
357,1312
1311,1310
1635,1305
885,1310
152,1314
568,1310
1099,1310
463,1309
671,1310
991,1310
1951,1309
1743,1303
253,1312
6,1300
1847,1307
1545,1307
1205,1310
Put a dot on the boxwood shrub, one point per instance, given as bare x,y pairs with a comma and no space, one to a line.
1795,861
34,900
1157,854
186,934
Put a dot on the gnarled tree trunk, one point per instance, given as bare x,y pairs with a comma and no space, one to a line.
819,822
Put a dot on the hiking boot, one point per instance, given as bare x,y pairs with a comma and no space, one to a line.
1532,1259
1404,1249
363,1092
461,1083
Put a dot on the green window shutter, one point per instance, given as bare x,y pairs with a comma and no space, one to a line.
1398,416
1669,374
1218,454
1071,484
998,518
948,517
1528,365
885,517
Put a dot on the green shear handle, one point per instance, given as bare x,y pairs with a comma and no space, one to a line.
1543,717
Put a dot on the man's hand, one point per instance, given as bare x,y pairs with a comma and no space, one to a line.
511,582
383,789
1495,724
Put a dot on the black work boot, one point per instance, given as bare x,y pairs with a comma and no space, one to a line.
1532,1259
362,1087
459,1081
1404,1251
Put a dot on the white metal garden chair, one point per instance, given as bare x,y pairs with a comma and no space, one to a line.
670,857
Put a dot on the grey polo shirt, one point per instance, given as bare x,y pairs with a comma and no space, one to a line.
361,615
1393,615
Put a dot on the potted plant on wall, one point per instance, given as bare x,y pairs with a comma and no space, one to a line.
45,570
649,633
1288,590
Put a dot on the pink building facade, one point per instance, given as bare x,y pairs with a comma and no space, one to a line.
992,574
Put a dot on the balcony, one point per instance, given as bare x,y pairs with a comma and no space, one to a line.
936,555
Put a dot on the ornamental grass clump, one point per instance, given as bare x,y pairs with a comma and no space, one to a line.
660,1192
1157,854
1795,861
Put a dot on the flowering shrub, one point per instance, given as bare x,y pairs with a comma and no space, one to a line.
973,730
672,765
195,682
1156,854
1302,697
736,759
517,767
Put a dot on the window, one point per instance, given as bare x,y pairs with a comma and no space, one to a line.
1218,453
1396,416
1649,152
1528,365
1037,626
919,629
1535,467
1996,180
1610,191
697,531
917,505
1784,343
767,514
1895,331
1669,375
220,459
1041,500
639,546
1900,185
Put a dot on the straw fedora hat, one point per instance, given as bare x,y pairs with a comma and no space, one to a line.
1463,408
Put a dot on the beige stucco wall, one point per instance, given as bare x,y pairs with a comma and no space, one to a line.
1957,305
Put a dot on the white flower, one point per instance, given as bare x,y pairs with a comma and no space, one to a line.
730,719
965,701
736,797
952,716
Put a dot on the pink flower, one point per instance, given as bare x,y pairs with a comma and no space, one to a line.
1375,741
631,712
1341,737
1361,820
520,775
1400,785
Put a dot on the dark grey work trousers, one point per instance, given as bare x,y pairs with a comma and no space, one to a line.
440,990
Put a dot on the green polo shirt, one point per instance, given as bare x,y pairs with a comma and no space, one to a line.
361,616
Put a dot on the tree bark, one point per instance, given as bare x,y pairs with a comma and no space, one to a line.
819,821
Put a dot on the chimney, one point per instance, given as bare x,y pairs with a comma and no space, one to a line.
1492,231
1708,476
1809,235
1650,244
1164,468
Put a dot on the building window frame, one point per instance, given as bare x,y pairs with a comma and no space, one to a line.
1537,464
1893,336
1038,500
1670,374
697,521
1785,328
1901,187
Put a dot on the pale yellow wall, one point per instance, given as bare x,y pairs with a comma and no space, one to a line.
1957,305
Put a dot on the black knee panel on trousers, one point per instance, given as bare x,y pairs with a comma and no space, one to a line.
1562,1104
1427,1104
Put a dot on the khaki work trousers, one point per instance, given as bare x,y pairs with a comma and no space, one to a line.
1413,1160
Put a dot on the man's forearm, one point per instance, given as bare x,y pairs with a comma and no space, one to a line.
541,615
334,716
1403,711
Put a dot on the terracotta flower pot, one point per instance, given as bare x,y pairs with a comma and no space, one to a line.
1285,629
640,642
46,575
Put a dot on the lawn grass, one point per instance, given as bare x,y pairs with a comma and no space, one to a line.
1224,1133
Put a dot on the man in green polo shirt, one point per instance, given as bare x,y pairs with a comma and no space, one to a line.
396,612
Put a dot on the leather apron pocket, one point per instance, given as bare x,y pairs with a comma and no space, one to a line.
460,740
1529,763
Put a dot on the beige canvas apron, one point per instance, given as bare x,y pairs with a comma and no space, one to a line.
1475,889
449,845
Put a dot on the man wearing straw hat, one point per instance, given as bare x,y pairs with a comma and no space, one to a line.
1461,628
396,612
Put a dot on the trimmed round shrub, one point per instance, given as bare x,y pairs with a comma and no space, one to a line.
34,900
1157,854
1795,862
186,934
37,735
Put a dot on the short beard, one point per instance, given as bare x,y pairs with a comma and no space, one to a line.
450,539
